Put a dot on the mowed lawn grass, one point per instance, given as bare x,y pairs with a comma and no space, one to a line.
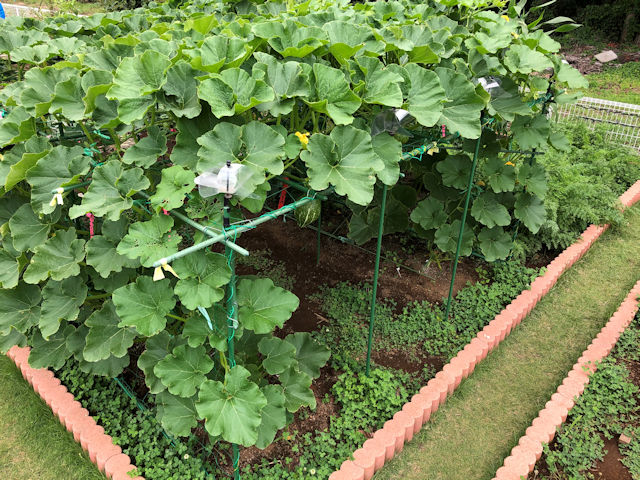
469,437
33,443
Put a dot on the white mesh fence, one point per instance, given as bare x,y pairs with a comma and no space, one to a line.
621,120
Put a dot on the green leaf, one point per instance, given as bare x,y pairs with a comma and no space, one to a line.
150,241
35,149
26,229
181,90
175,184
201,277
68,99
147,150
157,347
139,76
16,127
14,337
105,337
144,305
346,159
382,85
185,151
110,368
103,257
287,79
9,270
332,95
389,152
233,91
311,355
426,97
346,39
278,354
254,144
60,167
110,191
196,330
177,415
429,214
570,76
61,302
41,84
531,132
522,59
495,243
232,409
57,258
274,416
533,177
446,238
184,370
462,109
297,391
19,308
263,306
217,50
51,353
290,39
489,211
455,170
530,210
501,177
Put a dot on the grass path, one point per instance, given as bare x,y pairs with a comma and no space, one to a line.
469,437
33,444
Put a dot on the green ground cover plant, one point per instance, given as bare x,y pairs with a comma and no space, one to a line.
620,83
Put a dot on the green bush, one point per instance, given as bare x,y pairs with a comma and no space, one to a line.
584,186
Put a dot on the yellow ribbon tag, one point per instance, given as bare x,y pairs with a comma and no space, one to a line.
57,198
157,274
433,149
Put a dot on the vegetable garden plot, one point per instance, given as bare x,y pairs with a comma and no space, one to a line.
115,117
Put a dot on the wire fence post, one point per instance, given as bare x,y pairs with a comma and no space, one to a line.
375,277
463,221
319,235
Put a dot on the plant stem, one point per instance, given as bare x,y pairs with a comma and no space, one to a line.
116,141
171,315
99,296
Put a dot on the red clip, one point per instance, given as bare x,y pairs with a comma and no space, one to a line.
283,194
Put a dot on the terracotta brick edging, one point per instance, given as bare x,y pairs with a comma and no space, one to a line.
524,456
390,439
102,451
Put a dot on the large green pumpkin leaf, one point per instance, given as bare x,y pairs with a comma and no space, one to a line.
103,257
389,152
67,99
14,337
501,176
311,355
26,229
201,277
263,306
217,51
38,95
232,409
462,109
495,243
455,170
530,210
233,91
446,238
429,214
181,91
346,159
9,270
147,150
489,211
57,258
61,302
274,416
51,353
175,184
382,85
184,370
278,354
426,97
150,241
110,191
254,144
332,95
176,414
140,75
297,391
35,148
19,308
157,347
533,177
105,337
60,167
144,305
522,59
290,39
185,151
16,127
531,132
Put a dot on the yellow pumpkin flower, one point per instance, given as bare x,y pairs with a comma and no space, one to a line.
506,17
303,137
480,183
515,35
510,163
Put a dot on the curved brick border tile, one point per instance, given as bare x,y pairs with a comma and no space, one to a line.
102,451
409,421
543,428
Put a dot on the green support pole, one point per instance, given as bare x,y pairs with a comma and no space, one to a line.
319,235
464,219
235,230
375,277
